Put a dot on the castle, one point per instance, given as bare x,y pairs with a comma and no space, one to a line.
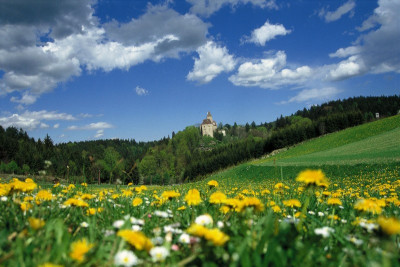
208,126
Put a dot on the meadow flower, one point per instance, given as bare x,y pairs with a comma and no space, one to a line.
390,226
334,201
368,205
126,258
118,223
91,211
292,203
217,198
312,178
204,220
251,202
324,231
84,224
159,254
193,197
321,214
48,264
161,214
25,206
170,195
76,202
182,208
137,201
212,183
224,209
44,195
276,209
36,223
136,239
5,189
79,249
217,237
184,238
4,198
136,228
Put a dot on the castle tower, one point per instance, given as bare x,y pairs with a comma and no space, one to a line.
208,126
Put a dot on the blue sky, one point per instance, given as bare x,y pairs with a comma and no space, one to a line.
85,69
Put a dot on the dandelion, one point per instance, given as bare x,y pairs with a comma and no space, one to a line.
91,211
159,254
136,239
25,206
390,226
292,203
126,258
312,178
193,197
251,202
79,249
48,264
368,205
76,202
212,183
217,198
334,201
217,237
182,208
36,223
324,231
170,195
137,201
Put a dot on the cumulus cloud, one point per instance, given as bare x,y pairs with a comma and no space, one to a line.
330,16
376,51
44,44
206,8
314,95
92,126
141,91
212,61
30,120
270,73
266,33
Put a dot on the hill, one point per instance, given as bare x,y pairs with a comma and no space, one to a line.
367,149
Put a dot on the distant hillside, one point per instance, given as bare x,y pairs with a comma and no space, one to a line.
373,142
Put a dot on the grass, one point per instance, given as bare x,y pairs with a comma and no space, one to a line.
375,142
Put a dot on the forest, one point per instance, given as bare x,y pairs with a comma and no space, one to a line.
186,155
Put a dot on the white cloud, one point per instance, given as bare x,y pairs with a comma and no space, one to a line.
212,61
347,68
314,95
141,91
266,33
92,126
56,126
76,39
44,125
25,99
99,133
30,120
338,13
375,51
270,73
207,8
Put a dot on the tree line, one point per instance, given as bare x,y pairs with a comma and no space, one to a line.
187,155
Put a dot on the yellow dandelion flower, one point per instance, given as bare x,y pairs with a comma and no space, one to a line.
170,194
182,208
292,203
334,201
368,205
276,209
217,237
136,239
44,195
76,202
25,206
213,183
91,211
193,197
251,202
137,201
224,209
48,264
217,198
36,223
312,178
390,226
79,249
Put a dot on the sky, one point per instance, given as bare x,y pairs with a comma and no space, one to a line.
85,70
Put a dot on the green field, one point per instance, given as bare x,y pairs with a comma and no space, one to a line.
368,148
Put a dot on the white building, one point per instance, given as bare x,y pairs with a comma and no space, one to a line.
208,126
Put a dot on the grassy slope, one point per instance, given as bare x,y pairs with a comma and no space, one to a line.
365,149
375,142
